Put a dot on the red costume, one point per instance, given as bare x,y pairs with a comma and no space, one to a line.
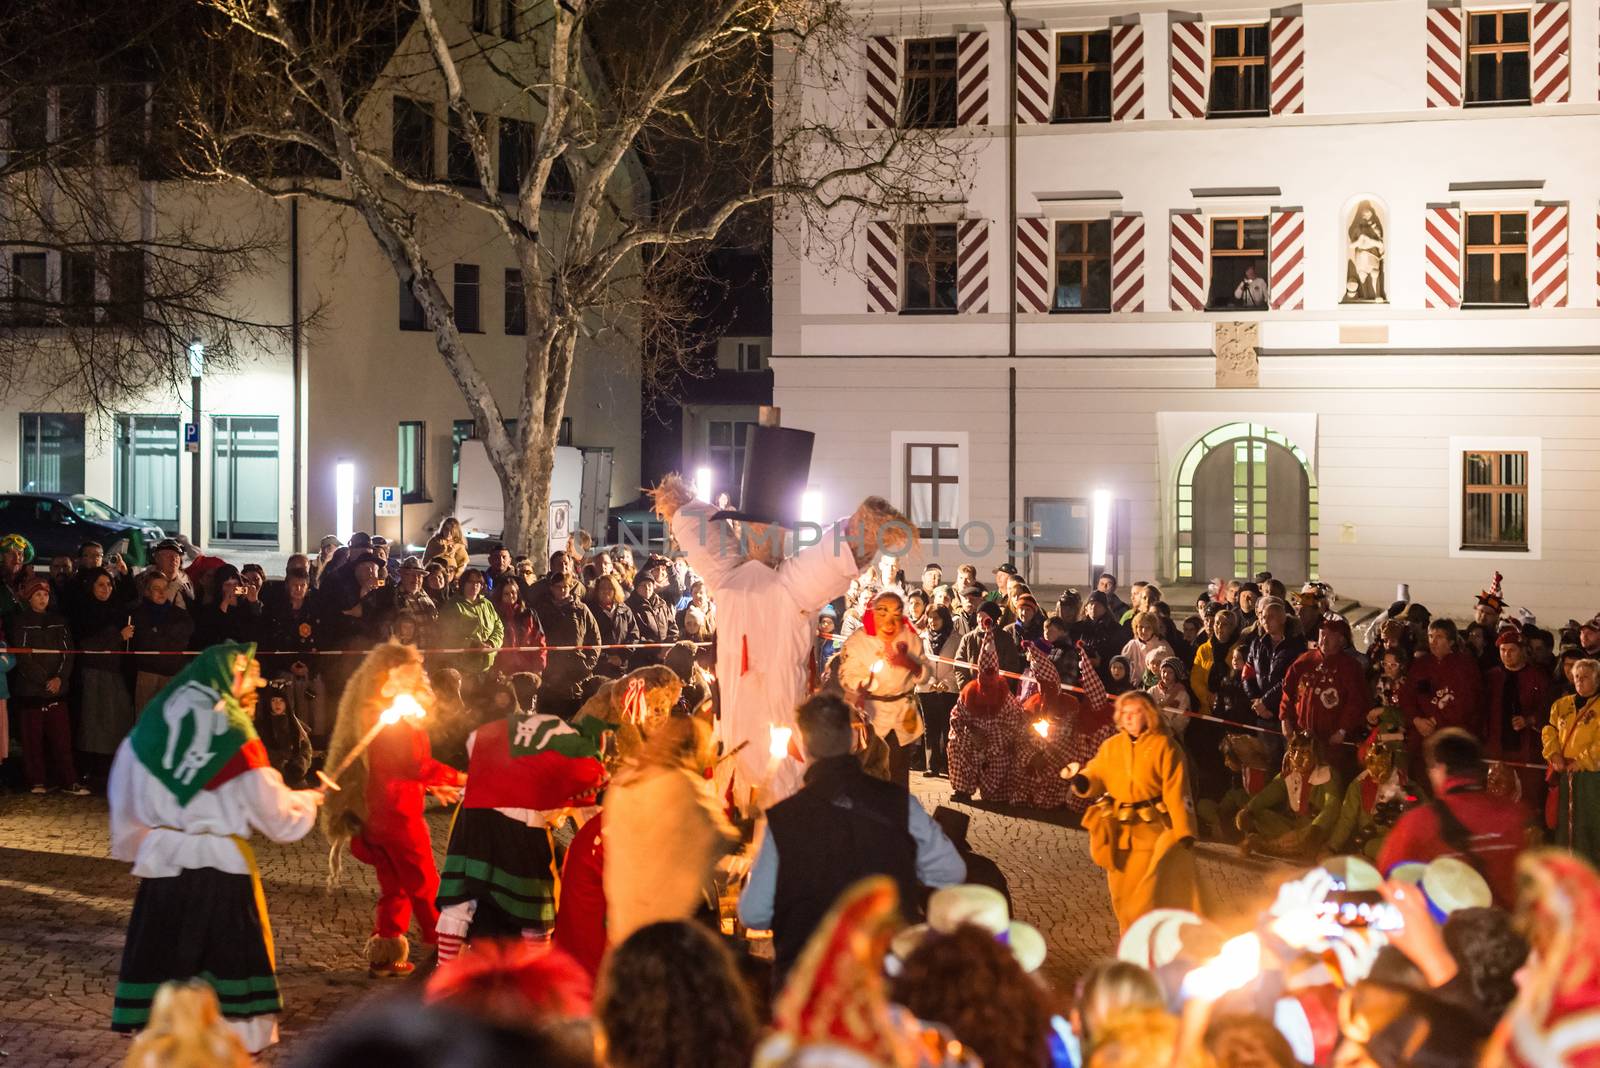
581,917
1448,691
394,838
1325,695
1497,828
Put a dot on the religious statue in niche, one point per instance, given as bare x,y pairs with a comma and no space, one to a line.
1363,282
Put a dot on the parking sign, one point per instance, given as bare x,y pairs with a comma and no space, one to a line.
385,501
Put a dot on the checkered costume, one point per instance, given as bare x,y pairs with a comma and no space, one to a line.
984,727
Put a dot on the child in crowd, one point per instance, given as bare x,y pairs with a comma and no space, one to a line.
1171,695
288,744
1232,703
1121,681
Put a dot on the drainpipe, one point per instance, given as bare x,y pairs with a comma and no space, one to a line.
296,519
1011,273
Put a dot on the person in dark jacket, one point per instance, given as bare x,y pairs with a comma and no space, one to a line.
523,649
161,630
566,621
616,623
653,618
281,732
101,626
1101,634
842,826
235,614
1269,657
1004,646
39,686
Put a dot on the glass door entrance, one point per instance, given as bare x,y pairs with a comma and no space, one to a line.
244,479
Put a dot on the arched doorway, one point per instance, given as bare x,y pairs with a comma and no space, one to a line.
1246,503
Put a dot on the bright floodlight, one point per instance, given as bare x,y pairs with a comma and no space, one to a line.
1100,544
702,483
811,506
197,357
344,492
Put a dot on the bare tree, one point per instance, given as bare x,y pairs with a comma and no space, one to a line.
108,279
285,92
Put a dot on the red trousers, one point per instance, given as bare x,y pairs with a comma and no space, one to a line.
407,881
46,742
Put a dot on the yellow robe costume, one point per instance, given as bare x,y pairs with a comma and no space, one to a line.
1142,827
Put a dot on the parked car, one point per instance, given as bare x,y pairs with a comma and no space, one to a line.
57,523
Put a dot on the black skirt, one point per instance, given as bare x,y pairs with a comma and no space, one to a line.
200,924
507,867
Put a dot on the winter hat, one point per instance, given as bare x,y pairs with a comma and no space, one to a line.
33,585
1509,635
1334,621
1099,597
990,609
1176,665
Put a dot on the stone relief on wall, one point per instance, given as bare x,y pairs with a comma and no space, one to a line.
1234,345
1365,251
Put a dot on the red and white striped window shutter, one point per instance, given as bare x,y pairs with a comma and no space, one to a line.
883,83
1286,258
972,266
1191,69
972,79
1127,71
1127,263
1547,256
883,267
1035,67
1033,265
1552,53
1442,256
1186,262
1446,46
1286,61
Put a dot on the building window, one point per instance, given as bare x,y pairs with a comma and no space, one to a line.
126,284
77,288
1494,506
52,452
510,21
930,83
516,150
413,466
564,431
1497,260
516,304
1238,263
1083,77
460,430
932,488
146,470
466,298
27,119
1083,266
29,289
244,479
725,454
752,356
76,124
412,141
1238,70
480,16
126,123
411,316
1497,58
931,268
459,162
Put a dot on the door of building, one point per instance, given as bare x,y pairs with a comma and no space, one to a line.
244,480
1252,501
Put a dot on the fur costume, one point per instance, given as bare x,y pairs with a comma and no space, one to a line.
635,703
378,810
1249,763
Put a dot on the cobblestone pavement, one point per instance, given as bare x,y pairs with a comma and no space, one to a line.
66,908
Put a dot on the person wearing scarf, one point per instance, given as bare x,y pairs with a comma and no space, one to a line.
102,623
937,692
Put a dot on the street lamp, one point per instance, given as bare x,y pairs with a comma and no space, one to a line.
344,504
197,363
702,483
1100,539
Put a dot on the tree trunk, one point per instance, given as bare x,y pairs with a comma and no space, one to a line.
526,486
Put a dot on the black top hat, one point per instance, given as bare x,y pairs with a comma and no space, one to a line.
777,462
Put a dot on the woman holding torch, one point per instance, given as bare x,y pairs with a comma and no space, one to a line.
881,665
1141,826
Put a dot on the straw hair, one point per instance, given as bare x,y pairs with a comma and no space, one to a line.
186,1030
388,670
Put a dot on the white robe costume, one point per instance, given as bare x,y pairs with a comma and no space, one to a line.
766,624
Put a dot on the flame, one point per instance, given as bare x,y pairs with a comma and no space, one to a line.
1236,963
780,742
877,666
1042,726
404,707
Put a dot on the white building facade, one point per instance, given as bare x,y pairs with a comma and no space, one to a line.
293,439
1309,290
